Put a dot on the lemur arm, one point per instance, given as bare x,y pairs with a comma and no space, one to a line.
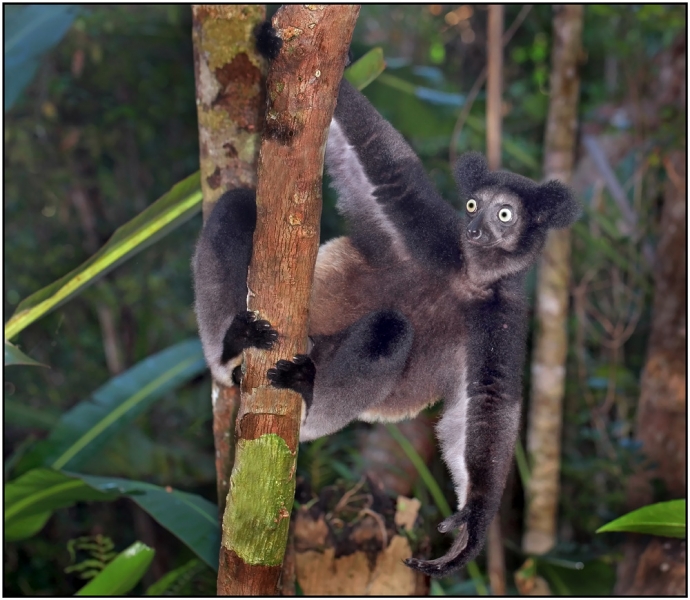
480,426
383,190
219,268
357,369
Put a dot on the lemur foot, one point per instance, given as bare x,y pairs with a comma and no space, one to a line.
464,549
297,374
246,331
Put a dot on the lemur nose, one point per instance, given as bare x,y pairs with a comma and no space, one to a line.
474,233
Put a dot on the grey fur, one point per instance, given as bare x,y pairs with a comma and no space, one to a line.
417,304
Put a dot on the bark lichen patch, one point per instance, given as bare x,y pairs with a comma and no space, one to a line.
239,84
214,41
258,520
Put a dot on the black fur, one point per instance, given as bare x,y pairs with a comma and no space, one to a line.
419,304
247,332
268,44
220,268
297,374
386,332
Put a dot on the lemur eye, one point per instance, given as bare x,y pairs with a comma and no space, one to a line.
471,206
505,214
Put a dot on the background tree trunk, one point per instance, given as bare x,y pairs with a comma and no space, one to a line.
230,96
657,567
303,83
551,342
495,557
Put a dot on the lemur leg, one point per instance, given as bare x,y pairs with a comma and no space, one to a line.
349,372
478,430
220,266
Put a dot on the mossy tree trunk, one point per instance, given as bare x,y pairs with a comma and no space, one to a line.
230,99
302,87
551,342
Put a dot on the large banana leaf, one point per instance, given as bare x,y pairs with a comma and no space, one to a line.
31,499
189,517
22,414
31,30
14,356
81,431
167,213
122,574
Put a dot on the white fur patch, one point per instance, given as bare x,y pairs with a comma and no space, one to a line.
452,433
371,416
355,191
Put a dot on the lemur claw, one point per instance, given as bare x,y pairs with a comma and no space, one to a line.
455,558
257,332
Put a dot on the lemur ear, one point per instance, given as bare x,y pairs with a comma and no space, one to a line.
470,169
556,205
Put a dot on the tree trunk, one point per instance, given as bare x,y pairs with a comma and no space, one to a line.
551,342
495,557
230,97
656,566
302,83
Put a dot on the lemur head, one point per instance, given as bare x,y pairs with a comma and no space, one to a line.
507,217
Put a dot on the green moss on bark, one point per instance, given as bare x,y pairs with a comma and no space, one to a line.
259,523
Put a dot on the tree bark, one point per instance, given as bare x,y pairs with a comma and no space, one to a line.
495,557
302,88
230,97
657,566
551,342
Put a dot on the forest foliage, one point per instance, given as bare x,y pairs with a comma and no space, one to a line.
110,470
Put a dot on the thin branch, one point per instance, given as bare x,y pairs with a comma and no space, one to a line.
479,83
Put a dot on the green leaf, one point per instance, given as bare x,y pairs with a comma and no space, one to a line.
133,454
23,528
362,72
122,573
167,213
664,518
14,356
81,431
30,499
174,578
31,30
21,414
189,517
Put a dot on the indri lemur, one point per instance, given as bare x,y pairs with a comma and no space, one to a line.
417,304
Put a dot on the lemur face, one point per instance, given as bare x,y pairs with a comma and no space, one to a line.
495,218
